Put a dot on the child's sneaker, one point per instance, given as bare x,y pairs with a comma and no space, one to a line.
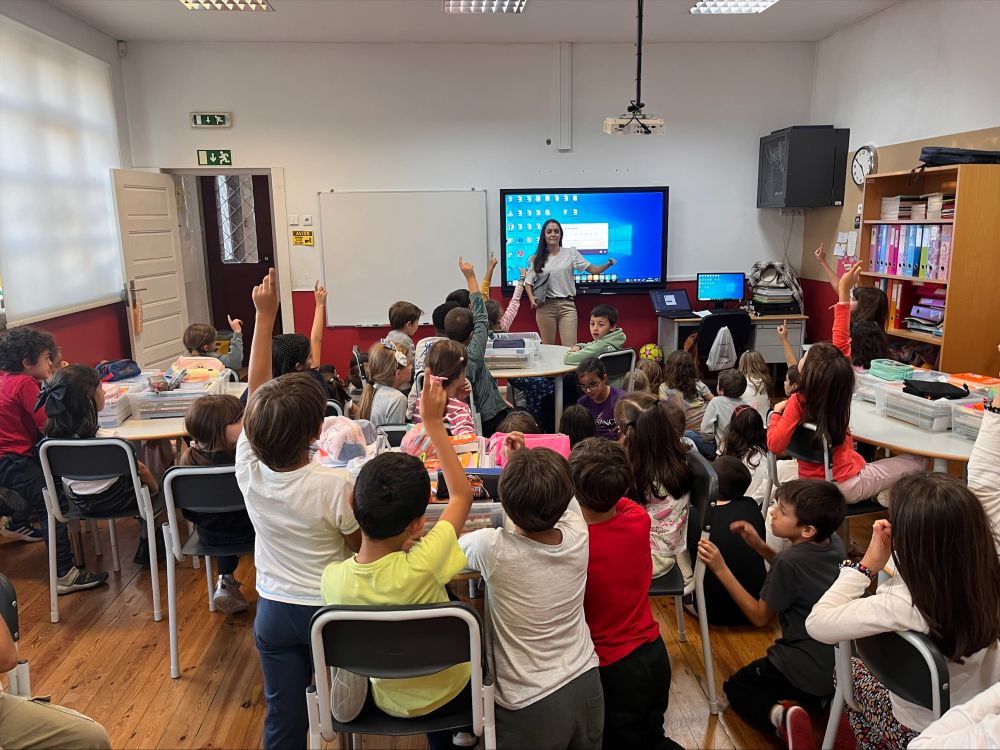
78,579
23,531
464,739
349,692
227,597
794,726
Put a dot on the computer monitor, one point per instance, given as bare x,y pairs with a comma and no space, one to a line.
721,287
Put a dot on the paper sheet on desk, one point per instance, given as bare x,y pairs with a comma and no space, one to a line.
702,313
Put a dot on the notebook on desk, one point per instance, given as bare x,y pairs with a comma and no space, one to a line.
671,303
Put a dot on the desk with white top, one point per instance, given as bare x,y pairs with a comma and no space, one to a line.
672,333
868,426
550,363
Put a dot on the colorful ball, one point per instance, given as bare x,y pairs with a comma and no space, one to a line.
652,352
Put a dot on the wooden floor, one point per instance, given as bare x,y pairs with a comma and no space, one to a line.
108,659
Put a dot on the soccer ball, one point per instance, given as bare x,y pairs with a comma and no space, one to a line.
652,352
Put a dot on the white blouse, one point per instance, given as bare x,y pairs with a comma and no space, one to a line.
560,269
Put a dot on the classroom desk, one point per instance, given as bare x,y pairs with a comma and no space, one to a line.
548,364
868,426
672,333
170,428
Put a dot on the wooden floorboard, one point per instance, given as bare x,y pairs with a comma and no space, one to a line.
109,659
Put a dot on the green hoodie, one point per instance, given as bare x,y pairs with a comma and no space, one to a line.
613,342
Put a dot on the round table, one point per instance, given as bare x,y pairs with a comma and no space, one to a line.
868,426
549,363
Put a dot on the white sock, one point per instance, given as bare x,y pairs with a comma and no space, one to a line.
777,712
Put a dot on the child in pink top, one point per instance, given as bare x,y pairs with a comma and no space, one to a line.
446,361
500,321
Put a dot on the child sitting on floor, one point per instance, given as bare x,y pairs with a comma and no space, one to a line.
634,667
718,412
599,397
519,421
759,383
796,667
578,424
681,385
548,688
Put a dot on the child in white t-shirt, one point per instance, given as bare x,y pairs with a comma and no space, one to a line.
548,686
301,512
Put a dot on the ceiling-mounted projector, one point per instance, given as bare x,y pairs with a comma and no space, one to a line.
637,124
635,121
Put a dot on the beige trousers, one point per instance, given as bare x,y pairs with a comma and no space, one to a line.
557,314
26,723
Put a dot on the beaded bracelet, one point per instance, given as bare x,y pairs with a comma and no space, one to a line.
859,567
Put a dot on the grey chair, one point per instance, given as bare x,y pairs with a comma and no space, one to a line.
395,433
96,459
425,638
333,409
803,447
704,495
909,664
205,489
620,364
18,679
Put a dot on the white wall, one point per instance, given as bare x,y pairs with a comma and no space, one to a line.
372,116
53,22
916,70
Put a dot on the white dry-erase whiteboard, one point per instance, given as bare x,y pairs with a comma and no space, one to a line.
381,247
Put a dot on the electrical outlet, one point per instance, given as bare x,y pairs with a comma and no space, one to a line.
307,220
791,212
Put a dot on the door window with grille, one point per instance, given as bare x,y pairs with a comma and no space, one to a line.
237,223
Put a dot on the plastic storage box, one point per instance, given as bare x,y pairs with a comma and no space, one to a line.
934,416
117,408
483,515
967,419
865,384
150,404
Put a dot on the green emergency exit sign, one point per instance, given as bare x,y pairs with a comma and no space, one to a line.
211,119
215,158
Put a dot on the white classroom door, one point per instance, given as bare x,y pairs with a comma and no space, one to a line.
154,276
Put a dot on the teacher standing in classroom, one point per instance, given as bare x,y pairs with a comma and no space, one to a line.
551,287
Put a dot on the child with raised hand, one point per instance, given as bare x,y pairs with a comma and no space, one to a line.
214,424
390,367
718,412
201,340
500,319
301,512
471,329
634,667
390,501
25,361
548,686
599,397
942,538
72,399
661,478
797,668
823,398
868,303
759,382
578,424
748,567
681,385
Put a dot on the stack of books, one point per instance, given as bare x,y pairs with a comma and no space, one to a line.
899,208
773,300
940,206
927,207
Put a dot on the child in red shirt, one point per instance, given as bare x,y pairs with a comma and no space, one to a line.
634,667
26,359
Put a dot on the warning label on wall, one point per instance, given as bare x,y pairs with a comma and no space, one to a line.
303,237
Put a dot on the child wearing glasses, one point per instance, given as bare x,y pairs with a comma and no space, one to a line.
599,397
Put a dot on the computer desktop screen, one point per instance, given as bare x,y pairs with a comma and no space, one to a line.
721,287
627,224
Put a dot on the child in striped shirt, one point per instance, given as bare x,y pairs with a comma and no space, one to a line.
446,361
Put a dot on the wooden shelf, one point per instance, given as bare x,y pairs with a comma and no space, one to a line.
910,221
924,338
915,279
915,173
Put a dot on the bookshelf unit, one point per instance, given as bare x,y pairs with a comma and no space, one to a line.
972,294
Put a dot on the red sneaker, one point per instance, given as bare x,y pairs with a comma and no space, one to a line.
796,729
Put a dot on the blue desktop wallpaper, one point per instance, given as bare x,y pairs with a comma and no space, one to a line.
628,226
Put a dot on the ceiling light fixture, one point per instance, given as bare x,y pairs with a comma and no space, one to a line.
730,7
227,5
484,6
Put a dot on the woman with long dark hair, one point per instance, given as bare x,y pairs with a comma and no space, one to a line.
550,285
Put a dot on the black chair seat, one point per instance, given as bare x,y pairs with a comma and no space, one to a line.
372,720
864,508
670,583
195,547
72,513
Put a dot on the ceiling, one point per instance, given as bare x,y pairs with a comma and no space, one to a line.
424,21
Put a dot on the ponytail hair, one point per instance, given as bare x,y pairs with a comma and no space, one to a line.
654,448
826,385
542,253
385,359
206,423
69,402
446,359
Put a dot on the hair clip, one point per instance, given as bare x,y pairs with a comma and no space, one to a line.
401,359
